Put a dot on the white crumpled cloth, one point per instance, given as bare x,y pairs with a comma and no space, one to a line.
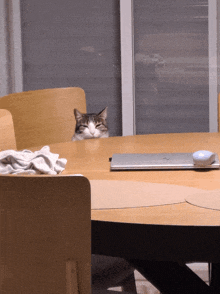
28,162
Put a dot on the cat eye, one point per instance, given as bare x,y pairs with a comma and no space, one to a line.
98,125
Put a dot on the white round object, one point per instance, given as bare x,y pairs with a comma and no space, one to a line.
203,157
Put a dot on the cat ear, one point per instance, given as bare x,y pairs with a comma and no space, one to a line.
103,113
77,114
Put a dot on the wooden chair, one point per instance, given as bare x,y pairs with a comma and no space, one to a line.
44,117
45,235
219,112
7,135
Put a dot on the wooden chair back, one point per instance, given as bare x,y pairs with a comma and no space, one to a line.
7,135
219,112
45,234
44,117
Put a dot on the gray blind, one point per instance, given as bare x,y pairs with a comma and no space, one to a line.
171,66
75,43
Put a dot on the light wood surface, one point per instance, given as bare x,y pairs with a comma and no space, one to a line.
205,199
91,158
7,135
219,112
45,234
44,117
130,194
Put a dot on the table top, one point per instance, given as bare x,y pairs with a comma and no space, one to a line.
91,159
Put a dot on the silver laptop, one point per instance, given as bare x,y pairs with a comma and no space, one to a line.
149,161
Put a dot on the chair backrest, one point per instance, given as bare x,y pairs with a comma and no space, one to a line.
44,117
219,112
7,135
45,228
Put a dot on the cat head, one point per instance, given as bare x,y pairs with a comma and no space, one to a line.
90,125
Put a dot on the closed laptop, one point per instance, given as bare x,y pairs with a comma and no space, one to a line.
150,161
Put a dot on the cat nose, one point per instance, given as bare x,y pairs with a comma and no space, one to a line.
91,129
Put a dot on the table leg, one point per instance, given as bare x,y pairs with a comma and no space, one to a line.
171,278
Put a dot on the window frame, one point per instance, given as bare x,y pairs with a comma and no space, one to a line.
213,65
128,69
13,44
127,61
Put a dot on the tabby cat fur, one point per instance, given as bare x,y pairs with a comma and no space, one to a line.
90,125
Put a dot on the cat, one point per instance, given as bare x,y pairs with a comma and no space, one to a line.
90,125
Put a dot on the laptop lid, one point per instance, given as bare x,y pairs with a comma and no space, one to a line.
149,161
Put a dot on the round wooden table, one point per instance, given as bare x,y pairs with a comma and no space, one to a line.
91,159
180,232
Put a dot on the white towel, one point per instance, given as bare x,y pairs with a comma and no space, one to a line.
28,162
